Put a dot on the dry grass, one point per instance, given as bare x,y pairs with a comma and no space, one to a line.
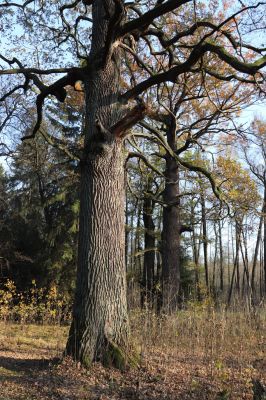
197,354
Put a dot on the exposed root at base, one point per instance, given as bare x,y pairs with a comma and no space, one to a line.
116,356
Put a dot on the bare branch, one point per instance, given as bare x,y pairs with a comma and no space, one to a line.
6,4
59,145
141,156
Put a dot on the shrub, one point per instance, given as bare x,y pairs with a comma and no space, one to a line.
37,305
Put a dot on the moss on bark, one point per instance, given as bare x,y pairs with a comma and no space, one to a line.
122,359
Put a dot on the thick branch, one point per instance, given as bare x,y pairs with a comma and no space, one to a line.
16,71
57,89
129,120
113,27
230,77
241,66
147,18
195,55
185,228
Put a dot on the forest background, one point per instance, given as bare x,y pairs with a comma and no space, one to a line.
195,221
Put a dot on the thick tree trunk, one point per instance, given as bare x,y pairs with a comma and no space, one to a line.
127,230
100,311
99,329
171,231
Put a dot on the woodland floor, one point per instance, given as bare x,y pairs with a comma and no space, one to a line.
207,365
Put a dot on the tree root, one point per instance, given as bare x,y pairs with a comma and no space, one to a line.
116,356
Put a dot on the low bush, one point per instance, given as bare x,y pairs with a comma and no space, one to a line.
37,305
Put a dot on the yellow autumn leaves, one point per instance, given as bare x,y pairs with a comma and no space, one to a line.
239,189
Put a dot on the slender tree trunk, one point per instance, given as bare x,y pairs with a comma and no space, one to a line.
138,263
214,259
221,255
261,270
255,258
228,255
171,230
132,236
236,266
159,278
205,240
149,251
246,271
264,239
99,330
196,252
238,240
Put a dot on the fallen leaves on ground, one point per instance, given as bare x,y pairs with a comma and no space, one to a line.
31,369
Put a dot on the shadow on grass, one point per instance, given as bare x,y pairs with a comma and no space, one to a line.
47,379
33,379
40,379
25,366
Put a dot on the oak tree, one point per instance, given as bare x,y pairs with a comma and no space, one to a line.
98,35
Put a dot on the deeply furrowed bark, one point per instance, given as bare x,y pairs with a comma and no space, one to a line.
99,329
100,312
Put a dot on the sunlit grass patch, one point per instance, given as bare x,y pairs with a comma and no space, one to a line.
32,336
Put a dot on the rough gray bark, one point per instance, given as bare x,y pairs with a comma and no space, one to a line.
100,311
100,324
126,231
97,314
